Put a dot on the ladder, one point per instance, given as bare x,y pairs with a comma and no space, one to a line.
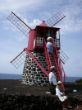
47,56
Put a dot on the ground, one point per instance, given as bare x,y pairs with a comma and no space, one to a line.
15,87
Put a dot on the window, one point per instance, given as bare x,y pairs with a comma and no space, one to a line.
39,41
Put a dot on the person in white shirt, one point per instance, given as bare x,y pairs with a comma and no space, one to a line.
49,45
61,95
52,80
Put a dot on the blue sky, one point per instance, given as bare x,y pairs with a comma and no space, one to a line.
12,41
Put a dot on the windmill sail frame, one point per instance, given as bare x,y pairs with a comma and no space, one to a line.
19,23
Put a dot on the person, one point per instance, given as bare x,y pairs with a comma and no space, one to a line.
52,80
62,97
60,92
49,45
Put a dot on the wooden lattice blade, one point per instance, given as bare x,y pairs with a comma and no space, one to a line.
19,59
55,19
63,56
19,23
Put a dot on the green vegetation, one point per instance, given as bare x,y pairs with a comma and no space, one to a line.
78,81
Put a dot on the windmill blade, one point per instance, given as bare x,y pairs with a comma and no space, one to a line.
63,56
20,24
55,19
19,59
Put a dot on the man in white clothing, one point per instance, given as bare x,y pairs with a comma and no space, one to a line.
61,95
52,80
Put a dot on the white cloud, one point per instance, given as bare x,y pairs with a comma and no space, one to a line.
73,20
71,26
17,4
35,22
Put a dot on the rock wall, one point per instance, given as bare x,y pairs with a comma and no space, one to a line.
22,102
32,74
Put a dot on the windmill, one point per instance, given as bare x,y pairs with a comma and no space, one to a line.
37,60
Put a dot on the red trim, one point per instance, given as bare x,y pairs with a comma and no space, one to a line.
63,72
47,57
37,62
59,66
